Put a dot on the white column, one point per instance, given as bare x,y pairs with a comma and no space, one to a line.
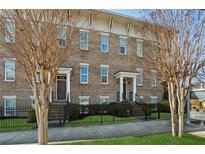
121,88
50,95
68,86
134,89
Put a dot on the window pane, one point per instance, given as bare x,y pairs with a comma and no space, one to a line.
63,37
104,79
10,107
104,71
139,48
123,43
83,74
10,69
83,40
104,42
10,31
84,101
83,69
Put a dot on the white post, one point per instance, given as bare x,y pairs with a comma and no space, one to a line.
134,89
121,88
68,86
50,95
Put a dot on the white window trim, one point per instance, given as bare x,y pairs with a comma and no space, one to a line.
140,70
154,71
5,77
9,97
139,40
83,30
123,37
105,97
107,34
107,66
87,65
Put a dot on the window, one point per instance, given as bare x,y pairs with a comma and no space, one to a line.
84,73
9,70
63,37
104,42
84,102
9,32
139,47
9,105
104,74
104,99
139,98
123,44
32,101
153,78
154,49
154,102
139,77
37,74
83,40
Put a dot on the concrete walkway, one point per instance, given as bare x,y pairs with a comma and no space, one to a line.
93,132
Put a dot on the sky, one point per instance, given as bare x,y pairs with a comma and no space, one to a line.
130,12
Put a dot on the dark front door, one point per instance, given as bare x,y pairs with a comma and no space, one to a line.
124,89
61,87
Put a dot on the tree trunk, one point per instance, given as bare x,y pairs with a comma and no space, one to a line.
172,102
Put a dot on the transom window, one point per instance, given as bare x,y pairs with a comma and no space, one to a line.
104,99
123,45
154,78
84,69
104,71
83,40
139,47
9,31
9,105
104,42
9,70
139,77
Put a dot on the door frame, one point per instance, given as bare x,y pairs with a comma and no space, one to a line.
57,86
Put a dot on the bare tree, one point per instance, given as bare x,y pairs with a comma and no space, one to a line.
179,35
40,41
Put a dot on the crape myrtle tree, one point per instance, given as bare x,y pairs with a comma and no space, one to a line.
180,54
40,40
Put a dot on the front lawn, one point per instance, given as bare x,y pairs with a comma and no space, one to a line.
15,124
156,139
106,119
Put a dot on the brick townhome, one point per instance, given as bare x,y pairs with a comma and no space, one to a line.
109,61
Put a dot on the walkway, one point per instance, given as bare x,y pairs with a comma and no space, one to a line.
93,132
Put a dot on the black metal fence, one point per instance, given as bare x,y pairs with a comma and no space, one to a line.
74,114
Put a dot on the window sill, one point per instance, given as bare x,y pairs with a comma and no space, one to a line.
83,83
104,83
123,54
84,49
104,51
9,81
140,85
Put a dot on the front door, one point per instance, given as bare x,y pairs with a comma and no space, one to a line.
124,89
61,87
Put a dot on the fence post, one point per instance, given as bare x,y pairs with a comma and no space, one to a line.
158,109
101,113
113,114
145,111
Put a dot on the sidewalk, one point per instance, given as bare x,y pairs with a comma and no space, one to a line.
94,132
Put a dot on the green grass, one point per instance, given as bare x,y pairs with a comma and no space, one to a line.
156,139
106,119
15,124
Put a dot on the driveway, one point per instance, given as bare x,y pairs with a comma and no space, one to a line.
94,132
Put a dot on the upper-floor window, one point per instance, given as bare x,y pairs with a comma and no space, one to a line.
9,105
139,49
154,49
104,71
139,77
63,34
9,31
84,40
154,78
9,70
123,45
104,42
84,69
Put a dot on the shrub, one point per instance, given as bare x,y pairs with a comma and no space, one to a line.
164,106
31,116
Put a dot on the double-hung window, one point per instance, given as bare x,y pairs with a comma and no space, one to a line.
123,45
104,42
154,49
84,102
9,105
139,77
63,34
153,78
84,70
104,72
9,70
139,46
154,102
9,31
83,40
104,99
32,101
